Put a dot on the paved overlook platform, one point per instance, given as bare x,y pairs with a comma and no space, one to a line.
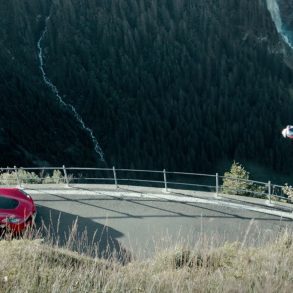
144,220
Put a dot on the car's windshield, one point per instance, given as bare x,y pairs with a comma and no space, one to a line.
7,203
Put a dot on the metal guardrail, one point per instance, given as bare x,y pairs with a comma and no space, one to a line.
153,178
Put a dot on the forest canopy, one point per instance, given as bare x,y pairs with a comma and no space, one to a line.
175,84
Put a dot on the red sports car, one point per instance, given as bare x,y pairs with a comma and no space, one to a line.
17,210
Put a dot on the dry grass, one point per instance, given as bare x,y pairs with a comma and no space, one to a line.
33,265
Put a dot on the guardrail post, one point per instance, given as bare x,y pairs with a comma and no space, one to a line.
270,191
115,177
165,181
17,177
217,184
65,175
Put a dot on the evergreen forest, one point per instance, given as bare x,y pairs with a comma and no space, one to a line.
178,84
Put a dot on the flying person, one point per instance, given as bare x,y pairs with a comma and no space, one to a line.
288,131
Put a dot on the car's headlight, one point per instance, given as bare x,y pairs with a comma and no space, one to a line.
11,220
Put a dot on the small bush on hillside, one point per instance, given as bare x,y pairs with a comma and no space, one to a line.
21,176
235,181
57,177
288,190
28,177
10,177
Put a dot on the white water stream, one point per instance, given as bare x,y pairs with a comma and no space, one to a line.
274,10
54,89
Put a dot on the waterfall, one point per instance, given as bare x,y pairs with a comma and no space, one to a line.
274,10
55,91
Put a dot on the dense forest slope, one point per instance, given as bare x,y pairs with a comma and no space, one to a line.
183,85
34,129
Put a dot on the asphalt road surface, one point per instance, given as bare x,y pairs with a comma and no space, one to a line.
137,224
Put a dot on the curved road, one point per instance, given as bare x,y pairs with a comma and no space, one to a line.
143,221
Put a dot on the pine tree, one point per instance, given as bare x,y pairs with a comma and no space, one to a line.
236,180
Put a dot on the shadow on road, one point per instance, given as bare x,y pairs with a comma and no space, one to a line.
80,234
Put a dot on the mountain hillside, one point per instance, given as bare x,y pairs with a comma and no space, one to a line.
34,129
182,85
286,12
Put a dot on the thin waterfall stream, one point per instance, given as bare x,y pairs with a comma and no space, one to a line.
55,91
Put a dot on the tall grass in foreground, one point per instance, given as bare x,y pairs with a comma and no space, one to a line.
35,265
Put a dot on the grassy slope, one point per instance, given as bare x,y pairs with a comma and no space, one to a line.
33,266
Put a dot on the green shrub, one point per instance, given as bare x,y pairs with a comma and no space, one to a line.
28,177
288,190
25,177
10,177
57,177
235,181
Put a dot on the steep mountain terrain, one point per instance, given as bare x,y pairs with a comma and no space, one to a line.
183,85
286,13
34,129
